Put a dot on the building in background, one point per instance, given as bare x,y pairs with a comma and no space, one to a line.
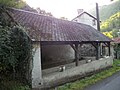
86,18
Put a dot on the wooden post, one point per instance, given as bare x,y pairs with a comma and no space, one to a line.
109,48
76,55
101,49
98,51
79,51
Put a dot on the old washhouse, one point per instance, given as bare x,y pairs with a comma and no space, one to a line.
57,44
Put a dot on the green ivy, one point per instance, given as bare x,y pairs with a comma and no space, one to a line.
15,48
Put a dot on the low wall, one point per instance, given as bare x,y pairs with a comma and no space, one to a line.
74,73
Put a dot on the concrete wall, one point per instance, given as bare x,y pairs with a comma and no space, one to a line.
74,73
86,19
36,71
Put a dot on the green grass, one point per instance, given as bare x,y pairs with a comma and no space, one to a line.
81,84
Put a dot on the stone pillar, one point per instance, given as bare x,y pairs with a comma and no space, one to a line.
36,71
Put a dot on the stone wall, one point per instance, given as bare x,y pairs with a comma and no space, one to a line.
87,50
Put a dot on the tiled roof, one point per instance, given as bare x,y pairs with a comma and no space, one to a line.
46,28
116,40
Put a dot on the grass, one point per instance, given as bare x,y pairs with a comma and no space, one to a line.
81,84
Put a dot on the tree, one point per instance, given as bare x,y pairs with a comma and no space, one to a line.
108,34
43,12
111,26
12,3
15,45
64,18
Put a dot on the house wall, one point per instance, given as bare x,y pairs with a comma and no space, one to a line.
36,69
86,19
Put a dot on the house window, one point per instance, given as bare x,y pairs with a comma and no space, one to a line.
93,22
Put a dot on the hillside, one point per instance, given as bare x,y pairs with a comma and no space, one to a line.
111,26
107,10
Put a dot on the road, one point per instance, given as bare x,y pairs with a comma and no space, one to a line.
110,83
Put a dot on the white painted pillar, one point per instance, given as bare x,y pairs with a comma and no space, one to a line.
36,71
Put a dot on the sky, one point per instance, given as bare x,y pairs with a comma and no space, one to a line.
65,8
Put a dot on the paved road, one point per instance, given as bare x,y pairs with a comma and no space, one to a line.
110,83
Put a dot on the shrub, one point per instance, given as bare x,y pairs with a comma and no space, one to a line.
15,49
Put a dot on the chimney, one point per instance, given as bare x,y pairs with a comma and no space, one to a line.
80,11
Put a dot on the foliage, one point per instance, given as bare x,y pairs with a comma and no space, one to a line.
43,12
107,10
112,22
81,84
15,48
12,3
5,48
108,34
111,26
64,18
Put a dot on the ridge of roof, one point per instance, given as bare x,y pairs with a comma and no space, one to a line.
83,13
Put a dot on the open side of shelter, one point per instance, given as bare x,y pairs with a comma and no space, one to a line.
56,75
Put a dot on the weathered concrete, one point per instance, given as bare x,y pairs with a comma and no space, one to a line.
70,74
36,72
54,55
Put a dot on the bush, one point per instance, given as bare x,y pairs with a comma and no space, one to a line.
15,49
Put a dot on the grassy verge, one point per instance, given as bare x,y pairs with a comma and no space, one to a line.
80,84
